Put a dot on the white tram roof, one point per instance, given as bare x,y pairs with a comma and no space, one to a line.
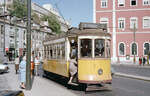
83,30
73,32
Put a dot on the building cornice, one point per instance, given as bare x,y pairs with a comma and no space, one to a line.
124,10
144,32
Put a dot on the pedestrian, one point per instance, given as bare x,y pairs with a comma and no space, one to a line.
148,59
32,64
17,64
20,58
37,63
5,61
22,71
72,69
140,60
143,60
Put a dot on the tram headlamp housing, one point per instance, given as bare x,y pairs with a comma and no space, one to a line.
100,71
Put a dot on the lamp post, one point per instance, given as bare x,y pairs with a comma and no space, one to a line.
134,30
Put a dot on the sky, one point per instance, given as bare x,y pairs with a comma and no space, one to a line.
75,10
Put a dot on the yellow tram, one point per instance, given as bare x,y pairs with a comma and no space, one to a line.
92,50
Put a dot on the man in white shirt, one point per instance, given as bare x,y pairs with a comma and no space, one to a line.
37,63
17,64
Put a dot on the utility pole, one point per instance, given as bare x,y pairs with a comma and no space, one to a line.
28,73
15,54
4,26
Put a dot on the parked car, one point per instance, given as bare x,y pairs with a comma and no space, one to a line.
11,93
3,68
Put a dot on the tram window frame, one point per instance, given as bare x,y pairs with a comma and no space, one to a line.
108,50
101,51
89,54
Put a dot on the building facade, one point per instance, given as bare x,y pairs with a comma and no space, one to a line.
15,30
129,23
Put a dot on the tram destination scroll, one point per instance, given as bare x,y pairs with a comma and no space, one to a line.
84,25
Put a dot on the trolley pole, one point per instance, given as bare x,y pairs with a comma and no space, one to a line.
28,75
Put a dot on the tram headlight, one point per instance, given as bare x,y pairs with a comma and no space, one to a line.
100,71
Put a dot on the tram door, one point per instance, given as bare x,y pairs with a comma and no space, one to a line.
74,53
73,47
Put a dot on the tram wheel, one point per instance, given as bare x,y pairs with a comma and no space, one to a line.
44,73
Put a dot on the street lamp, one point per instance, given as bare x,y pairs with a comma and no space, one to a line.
134,47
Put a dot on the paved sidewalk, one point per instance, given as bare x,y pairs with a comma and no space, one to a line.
132,71
41,86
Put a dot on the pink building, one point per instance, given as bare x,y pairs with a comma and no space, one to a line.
129,23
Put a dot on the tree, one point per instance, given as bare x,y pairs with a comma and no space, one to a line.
53,23
36,18
19,9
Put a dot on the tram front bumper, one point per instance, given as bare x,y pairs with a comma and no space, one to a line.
96,82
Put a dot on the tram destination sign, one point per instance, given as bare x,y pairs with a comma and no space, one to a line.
92,26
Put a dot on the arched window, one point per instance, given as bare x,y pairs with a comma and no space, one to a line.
134,49
121,49
146,48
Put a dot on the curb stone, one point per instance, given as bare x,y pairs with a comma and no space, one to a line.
133,76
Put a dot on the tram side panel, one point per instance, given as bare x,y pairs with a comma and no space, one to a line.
56,66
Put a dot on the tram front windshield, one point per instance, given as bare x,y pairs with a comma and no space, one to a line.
98,48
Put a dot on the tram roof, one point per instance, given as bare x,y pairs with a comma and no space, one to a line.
74,32
85,32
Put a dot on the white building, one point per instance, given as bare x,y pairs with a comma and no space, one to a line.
15,30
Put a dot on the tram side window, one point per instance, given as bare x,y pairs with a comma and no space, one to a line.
99,48
51,52
53,47
63,50
54,52
86,48
48,52
44,51
58,51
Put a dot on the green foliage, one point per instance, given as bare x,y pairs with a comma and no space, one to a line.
53,23
36,18
19,9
